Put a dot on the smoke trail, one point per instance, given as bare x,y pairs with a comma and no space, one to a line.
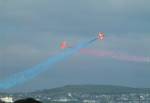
114,55
28,74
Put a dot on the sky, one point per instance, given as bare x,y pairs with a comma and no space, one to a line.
32,30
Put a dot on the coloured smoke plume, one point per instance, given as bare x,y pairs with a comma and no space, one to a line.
28,74
114,55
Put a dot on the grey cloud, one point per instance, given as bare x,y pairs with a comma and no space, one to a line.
77,16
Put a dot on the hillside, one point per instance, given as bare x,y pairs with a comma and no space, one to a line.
91,89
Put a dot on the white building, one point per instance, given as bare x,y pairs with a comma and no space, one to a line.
89,101
61,100
64,99
7,99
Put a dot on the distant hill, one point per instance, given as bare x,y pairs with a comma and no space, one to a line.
86,89
91,89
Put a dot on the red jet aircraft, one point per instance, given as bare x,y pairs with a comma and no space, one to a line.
64,44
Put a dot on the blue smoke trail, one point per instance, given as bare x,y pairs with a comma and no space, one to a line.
21,77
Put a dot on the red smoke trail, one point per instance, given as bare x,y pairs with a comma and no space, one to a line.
114,55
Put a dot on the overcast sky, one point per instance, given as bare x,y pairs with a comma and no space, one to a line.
31,30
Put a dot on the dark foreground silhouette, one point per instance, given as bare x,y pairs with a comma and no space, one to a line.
27,100
1,101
